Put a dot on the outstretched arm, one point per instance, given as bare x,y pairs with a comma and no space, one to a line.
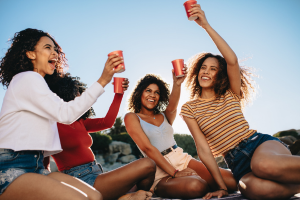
99,124
206,156
233,68
171,109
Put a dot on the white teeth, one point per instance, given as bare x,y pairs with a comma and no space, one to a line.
205,78
150,100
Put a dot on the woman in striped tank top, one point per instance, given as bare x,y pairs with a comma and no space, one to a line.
219,88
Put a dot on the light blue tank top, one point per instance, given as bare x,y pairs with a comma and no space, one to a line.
160,136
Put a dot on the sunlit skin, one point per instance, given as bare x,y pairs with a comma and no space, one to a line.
207,76
44,57
150,97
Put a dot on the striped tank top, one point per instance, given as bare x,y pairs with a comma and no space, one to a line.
221,121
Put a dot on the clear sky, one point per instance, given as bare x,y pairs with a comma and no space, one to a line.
155,32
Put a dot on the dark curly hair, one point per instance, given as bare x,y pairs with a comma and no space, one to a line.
67,88
16,60
221,84
135,98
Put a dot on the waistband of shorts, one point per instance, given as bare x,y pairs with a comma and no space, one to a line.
244,141
79,167
22,152
168,150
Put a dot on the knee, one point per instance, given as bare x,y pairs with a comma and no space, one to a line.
197,187
266,169
148,166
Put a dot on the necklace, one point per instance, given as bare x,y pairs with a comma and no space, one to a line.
150,116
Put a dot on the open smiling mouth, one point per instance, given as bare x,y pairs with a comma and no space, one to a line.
52,63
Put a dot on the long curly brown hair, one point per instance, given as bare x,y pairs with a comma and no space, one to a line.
135,103
221,84
16,60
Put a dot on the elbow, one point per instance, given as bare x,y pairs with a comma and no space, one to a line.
147,150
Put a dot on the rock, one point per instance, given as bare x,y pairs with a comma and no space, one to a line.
221,162
288,139
127,159
99,159
117,146
113,157
53,166
295,148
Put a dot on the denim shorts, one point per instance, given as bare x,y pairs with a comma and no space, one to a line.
15,163
86,172
238,159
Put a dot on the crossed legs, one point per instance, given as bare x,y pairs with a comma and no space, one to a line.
275,173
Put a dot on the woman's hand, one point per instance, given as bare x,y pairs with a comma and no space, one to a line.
218,193
186,172
125,84
179,80
109,69
197,12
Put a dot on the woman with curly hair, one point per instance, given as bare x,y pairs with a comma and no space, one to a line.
150,126
28,117
78,160
219,89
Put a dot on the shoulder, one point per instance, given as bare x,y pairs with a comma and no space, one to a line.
130,116
230,93
28,78
190,104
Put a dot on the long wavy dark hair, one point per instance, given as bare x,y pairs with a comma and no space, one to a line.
135,103
16,60
68,88
221,84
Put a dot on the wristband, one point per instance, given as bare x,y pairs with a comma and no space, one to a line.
175,173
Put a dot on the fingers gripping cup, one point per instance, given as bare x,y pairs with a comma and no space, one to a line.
178,66
188,6
120,54
118,85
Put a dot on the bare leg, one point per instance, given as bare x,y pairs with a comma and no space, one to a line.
254,188
36,186
118,182
202,171
187,187
272,161
91,192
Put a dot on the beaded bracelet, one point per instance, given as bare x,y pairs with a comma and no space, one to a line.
175,173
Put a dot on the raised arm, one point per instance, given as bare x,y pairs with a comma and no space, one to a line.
171,109
206,156
233,68
99,124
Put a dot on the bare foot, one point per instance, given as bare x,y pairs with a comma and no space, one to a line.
139,195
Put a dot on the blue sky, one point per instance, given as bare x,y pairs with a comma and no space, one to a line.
153,33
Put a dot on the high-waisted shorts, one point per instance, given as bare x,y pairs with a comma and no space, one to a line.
15,163
238,159
177,159
87,172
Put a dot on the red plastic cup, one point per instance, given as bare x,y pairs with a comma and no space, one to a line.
118,85
188,6
178,66
120,54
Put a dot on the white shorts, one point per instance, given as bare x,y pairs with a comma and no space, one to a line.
177,159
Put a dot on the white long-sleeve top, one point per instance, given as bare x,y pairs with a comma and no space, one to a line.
30,111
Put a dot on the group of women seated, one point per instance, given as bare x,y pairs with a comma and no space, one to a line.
46,112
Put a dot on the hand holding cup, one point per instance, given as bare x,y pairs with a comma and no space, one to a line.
122,65
110,68
120,85
197,12
179,71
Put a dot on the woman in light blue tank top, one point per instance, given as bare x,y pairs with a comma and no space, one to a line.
154,108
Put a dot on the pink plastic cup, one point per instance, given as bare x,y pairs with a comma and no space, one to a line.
120,54
188,6
118,85
178,66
